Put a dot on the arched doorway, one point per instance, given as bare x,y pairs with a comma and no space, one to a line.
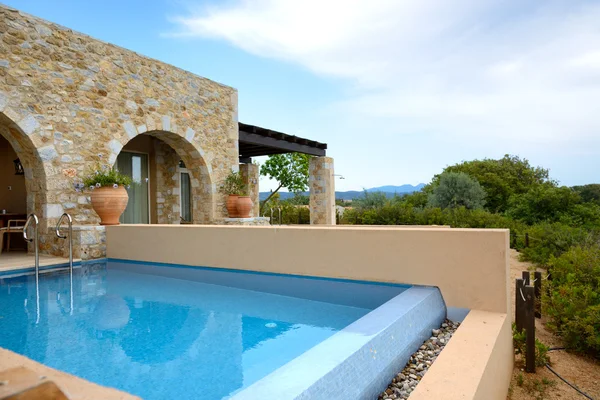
20,193
170,185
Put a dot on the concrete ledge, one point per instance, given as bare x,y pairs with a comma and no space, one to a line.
476,364
75,388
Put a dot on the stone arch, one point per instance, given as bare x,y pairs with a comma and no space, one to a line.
183,142
19,135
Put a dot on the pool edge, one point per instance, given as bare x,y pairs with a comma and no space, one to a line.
353,364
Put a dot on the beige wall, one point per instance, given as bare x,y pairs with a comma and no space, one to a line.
470,266
14,200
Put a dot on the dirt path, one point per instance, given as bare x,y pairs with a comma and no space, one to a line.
581,371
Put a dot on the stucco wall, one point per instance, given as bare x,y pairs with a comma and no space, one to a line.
68,101
470,266
476,364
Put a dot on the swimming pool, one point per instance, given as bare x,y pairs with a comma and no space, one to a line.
161,331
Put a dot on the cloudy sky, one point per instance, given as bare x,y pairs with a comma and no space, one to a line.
397,88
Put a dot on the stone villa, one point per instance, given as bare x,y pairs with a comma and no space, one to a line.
69,102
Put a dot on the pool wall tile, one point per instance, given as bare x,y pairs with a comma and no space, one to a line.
359,361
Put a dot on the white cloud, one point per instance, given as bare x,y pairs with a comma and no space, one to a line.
588,60
519,70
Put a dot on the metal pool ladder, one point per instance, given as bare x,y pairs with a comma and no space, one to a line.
70,236
34,218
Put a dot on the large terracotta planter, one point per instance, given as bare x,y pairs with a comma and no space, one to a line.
244,206
109,203
232,205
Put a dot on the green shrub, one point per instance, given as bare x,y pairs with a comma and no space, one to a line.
457,189
551,240
105,177
520,345
573,301
291,214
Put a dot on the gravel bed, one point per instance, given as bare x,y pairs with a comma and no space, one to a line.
405,382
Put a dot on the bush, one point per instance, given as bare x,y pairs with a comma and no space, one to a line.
552,240
457,189
573,301
291,214
543,203
520,345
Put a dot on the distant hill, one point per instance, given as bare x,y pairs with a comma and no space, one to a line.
398,189
389,190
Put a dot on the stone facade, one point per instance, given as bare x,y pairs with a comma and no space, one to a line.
322,191
250,175
166,185
69,102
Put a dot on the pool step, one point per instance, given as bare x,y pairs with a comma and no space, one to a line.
23,384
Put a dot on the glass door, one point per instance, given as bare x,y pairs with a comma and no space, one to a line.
135,165
186,197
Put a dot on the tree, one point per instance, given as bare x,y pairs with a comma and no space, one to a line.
289,170
370,200
543,203
457,189
299,199
501,178
589,193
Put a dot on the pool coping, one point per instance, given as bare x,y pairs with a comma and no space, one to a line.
366,353
73,386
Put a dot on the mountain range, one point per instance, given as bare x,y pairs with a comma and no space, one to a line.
389,190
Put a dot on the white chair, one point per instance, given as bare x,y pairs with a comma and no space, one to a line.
13,226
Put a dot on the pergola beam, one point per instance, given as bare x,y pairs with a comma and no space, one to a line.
255,141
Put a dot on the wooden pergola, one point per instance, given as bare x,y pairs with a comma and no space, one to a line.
255,141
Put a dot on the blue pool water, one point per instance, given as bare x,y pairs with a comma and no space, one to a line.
168,332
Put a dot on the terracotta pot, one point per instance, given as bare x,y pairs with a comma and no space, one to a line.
232,205
109,203
244,206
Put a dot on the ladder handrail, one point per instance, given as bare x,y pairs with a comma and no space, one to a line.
30,217
60,220
58,225
33,217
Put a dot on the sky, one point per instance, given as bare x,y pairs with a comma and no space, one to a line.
398,89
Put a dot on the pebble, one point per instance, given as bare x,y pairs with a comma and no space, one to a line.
407,380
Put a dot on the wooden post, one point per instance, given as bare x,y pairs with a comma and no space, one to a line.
527,240
537,284
519,304
513,239
526,278
529,292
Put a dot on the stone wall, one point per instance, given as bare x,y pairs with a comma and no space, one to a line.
68,101
166,185
322,191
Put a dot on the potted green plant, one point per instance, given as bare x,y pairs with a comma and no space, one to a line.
235,188
109,197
